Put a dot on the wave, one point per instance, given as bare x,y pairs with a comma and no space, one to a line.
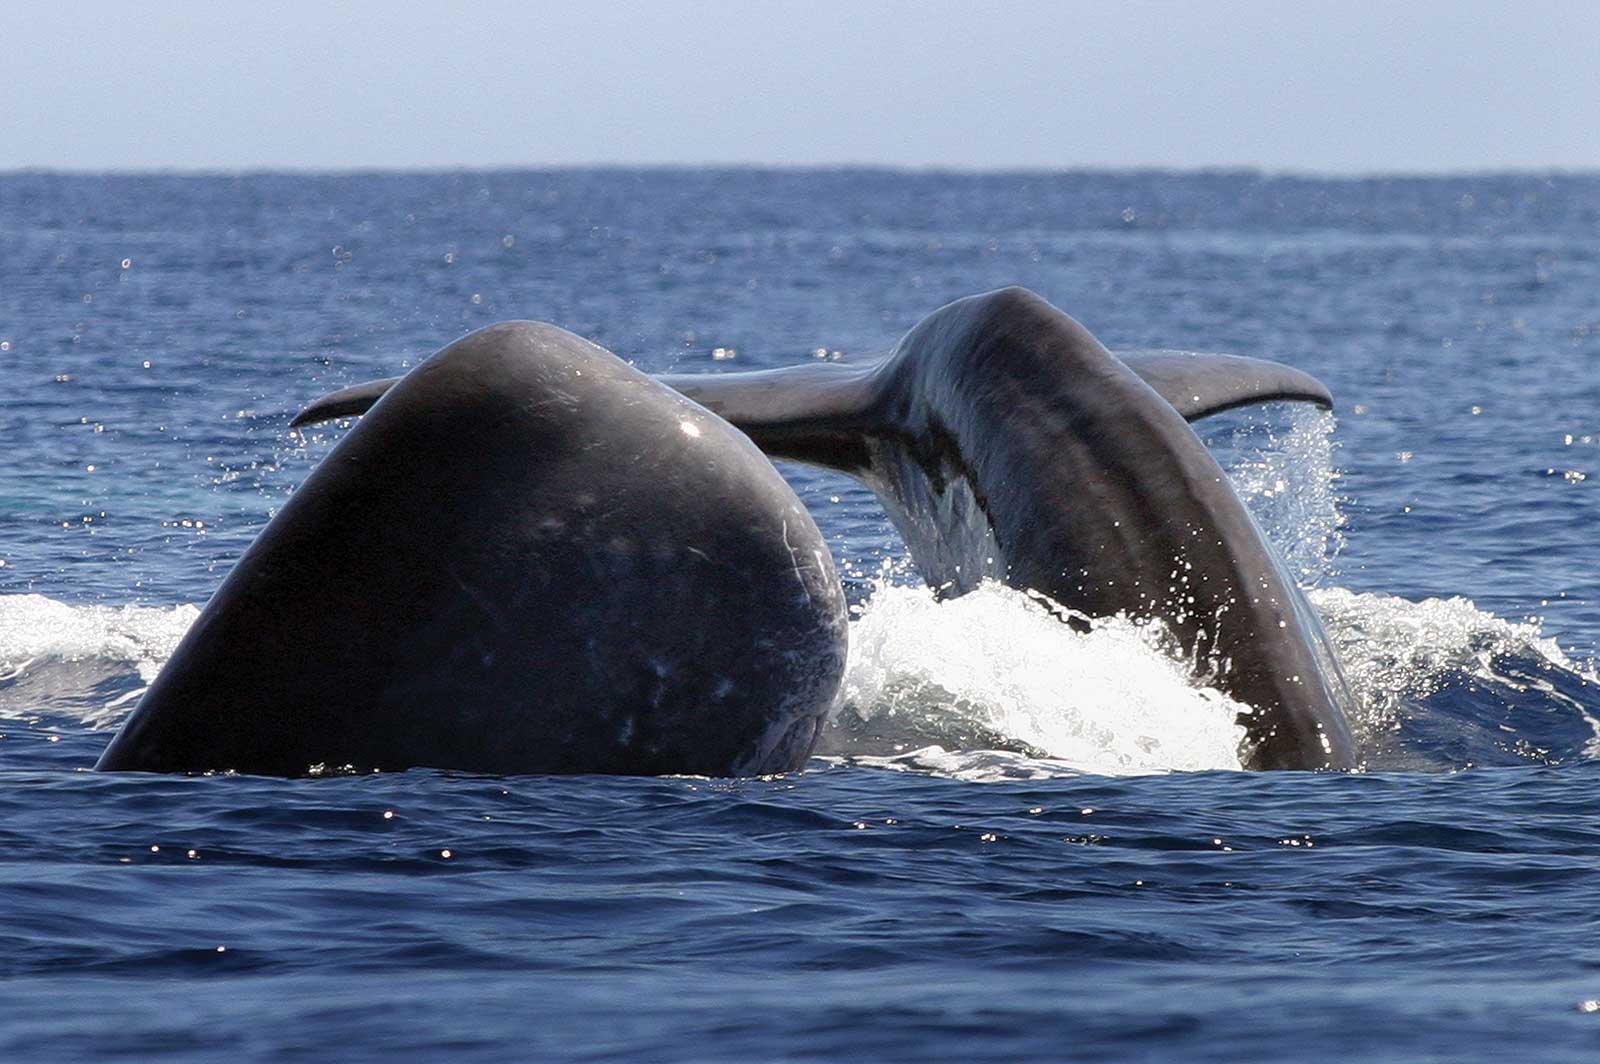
86,663
1444,684
993,670
993,686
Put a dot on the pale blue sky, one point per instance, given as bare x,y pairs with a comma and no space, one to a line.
1342,87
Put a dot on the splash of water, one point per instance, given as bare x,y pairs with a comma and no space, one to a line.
1397,653
992,669
1283,469
86,661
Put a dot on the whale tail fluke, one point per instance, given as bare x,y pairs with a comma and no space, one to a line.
821,413
1200,384
346,402
811,412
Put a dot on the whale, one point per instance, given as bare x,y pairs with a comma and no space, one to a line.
528,557
1007,443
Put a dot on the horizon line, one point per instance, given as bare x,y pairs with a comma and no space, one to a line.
916,170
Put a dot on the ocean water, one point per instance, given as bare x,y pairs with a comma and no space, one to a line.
1019,841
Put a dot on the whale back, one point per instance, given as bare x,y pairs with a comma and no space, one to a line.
528,557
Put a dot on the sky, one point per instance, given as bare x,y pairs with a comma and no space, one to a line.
1316,86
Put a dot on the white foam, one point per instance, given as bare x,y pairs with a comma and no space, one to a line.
991,685
996,661
39,635
35,627
974,766
1394,650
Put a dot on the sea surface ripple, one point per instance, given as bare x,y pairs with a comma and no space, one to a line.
1018,841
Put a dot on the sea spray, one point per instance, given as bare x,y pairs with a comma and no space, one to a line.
995,669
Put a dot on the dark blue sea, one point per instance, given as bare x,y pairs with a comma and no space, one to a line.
1019,841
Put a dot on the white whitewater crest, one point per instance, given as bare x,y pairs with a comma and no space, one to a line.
995,668
1396,652
987,686
90,662
992,686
